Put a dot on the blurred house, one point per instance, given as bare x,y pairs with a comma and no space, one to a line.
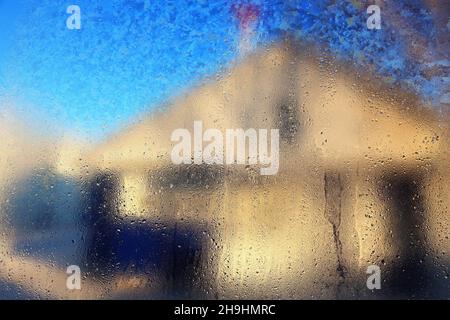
363,179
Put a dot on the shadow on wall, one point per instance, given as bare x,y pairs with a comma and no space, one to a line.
172,253
414,274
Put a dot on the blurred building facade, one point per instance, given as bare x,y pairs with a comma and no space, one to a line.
363,179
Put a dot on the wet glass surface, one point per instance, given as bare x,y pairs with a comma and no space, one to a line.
100,199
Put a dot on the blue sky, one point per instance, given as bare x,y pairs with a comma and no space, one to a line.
123,61
132,55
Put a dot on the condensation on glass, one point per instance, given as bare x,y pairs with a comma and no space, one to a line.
363,179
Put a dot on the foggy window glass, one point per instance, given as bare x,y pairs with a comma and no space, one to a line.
224,149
